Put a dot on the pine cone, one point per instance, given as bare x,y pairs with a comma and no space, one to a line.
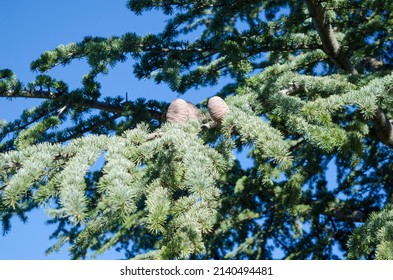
193,112
217,108
180,111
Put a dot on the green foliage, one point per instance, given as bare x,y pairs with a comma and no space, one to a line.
374,238
8,82
29,136
309,104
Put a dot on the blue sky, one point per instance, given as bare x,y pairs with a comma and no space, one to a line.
31,27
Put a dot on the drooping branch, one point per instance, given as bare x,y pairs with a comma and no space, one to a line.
45,94
64,102
71,101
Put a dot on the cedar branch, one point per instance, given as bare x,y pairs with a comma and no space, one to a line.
67,99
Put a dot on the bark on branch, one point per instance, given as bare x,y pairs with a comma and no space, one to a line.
383,128
329,40
71,102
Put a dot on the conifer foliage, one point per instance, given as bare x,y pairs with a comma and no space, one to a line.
311,90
